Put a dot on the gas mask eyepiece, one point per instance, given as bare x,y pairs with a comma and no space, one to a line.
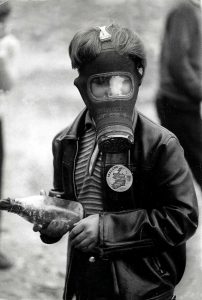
110,86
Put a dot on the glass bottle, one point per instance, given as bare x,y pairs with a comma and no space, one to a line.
42,209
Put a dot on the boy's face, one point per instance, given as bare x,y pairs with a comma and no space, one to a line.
109,86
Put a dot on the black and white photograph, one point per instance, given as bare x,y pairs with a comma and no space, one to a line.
100,150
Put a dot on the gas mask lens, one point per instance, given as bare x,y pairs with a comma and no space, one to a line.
105,86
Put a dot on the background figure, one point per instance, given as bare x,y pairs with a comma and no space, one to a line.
9,46
180,92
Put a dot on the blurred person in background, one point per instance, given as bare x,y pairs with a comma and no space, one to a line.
129,174
9,48
180,90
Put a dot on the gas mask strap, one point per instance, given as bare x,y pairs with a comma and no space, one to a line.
93,160
134,119
129,159
120,158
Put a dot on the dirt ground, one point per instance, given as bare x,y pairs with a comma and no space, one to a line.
44,101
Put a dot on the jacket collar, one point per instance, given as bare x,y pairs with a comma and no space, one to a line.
76,128
81,122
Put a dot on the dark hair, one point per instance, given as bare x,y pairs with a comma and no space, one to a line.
86,45
5,10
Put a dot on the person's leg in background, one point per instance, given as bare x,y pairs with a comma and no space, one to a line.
4,261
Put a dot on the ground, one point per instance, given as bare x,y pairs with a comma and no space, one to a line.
43,101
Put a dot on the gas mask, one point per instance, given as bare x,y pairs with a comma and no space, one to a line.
109,86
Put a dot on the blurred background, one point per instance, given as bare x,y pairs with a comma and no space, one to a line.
44,101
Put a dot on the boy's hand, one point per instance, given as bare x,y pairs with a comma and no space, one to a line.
84,235
56,228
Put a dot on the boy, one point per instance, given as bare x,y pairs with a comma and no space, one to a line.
130,175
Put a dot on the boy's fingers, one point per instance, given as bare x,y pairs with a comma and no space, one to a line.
76,230
86,246
78,238
37,227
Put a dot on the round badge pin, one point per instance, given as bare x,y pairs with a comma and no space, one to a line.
119,178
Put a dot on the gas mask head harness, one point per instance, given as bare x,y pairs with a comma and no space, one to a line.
109,86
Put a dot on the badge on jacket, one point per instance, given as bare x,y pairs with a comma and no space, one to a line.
119,178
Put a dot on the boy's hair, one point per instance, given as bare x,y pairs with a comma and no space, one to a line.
5,10
86,45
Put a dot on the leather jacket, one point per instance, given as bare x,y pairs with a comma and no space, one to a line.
143,231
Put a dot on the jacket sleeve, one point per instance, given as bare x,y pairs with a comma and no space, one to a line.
57,190
174,217
182,27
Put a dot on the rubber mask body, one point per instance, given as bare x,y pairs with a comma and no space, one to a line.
112,112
